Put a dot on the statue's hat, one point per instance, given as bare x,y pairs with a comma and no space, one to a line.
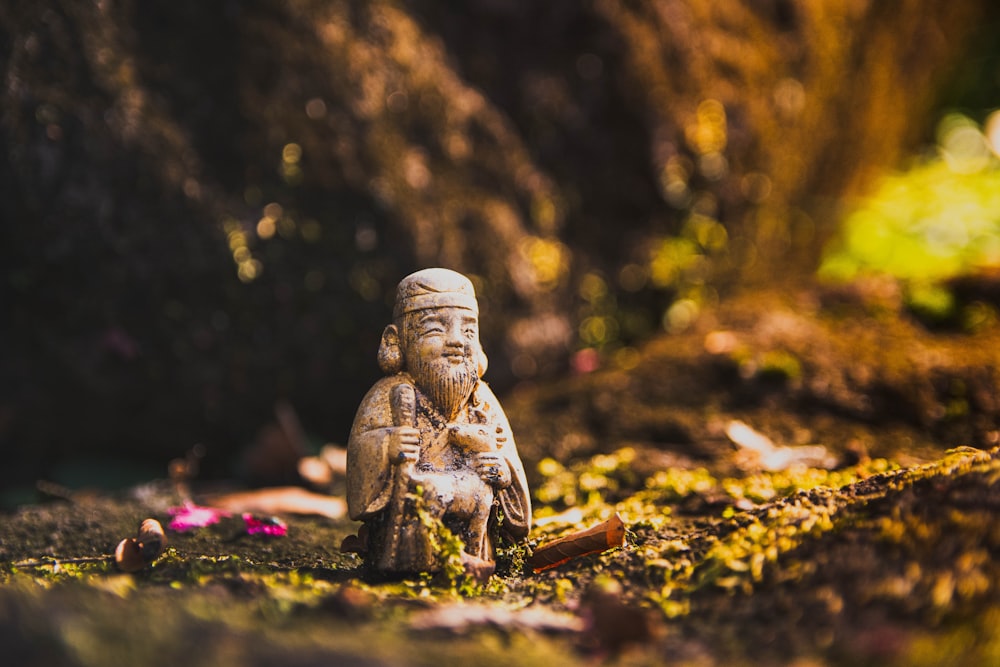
434,288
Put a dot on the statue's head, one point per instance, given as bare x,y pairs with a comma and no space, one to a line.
435,335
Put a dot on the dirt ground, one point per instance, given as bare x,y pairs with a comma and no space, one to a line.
807,479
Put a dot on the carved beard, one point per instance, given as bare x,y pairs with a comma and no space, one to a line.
448,385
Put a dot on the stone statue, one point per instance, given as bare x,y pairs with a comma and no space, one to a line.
430,444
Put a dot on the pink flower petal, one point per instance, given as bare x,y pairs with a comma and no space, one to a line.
190,517
271,526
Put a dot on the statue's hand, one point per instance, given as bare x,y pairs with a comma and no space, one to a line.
472,438
493,469
404,444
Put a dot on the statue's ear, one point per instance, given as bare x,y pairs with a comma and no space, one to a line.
390,356
482,363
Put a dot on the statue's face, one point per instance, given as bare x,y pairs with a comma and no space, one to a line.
448,332
441,349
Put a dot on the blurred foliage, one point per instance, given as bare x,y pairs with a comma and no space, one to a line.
934,222
207,206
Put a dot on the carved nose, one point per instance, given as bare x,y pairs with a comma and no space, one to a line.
454,338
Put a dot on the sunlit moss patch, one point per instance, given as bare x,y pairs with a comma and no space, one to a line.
936,221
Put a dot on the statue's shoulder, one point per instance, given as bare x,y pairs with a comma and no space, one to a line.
384,386
374,411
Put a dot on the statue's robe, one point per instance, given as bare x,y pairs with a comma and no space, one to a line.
373,492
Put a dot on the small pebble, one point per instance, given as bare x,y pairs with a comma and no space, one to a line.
128,556
152,540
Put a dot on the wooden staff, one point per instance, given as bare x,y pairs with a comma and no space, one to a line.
603,536
403,404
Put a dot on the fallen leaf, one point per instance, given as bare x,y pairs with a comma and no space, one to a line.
459,618
192,516
603,536
323,469
270,526
281,500
760,452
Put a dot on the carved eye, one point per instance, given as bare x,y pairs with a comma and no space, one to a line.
431,326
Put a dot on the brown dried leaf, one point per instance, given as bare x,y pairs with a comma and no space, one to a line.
603,536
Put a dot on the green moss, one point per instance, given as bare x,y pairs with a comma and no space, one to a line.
675,484
779,364
724,559
934,222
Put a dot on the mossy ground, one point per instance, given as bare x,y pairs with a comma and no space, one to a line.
896,567
890,558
